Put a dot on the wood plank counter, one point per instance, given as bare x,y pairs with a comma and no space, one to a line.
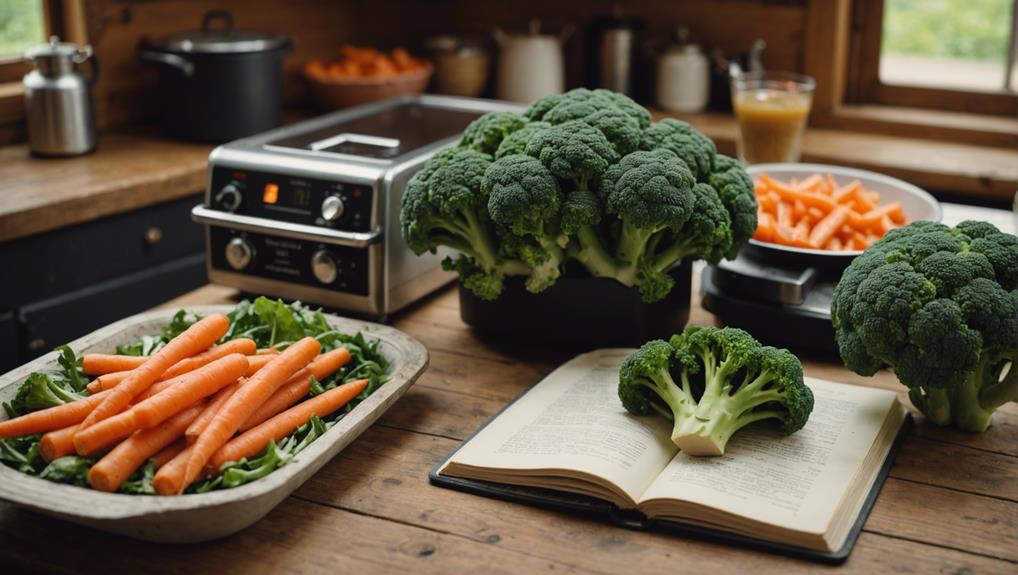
949,506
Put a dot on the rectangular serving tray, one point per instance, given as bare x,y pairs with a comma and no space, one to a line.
201,517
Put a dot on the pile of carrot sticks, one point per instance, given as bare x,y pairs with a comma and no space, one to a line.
816,213
190,407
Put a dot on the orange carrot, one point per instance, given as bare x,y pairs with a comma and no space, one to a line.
791,194
764,227
242,346
57,443
51,418
105,433
833,244
211,409
246,400
257,438
267,351
169,480
297,387
193,340
116,466
103,363
255,362
826,227
193,386
168,453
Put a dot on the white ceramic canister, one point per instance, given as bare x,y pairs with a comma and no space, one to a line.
683,77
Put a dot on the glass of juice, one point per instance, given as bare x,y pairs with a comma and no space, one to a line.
772,108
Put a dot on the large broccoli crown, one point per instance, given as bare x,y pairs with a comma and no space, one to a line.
649,189
599,99
486,133
711,382
685,141
516,142
620,129
522,194
937,304
735,188
573,151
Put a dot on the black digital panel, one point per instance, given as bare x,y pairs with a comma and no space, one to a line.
292,199
286,259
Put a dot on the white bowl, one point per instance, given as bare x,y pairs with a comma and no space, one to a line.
200,517
916,203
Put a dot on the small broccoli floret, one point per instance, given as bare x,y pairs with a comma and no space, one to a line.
573,151
485,284
933,303
685,141
711,382
486,133
707,235
516,142
735,188
524,198
621,129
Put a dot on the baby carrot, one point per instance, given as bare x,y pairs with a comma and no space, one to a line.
169,452
246,400
255,439
297,387
764,227
116,466
57,443
242,346
193,340
826,227
52,418
193,386
103,363
105,433
255,362
169,480
211,409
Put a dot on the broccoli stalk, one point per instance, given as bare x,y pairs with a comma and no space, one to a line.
727,380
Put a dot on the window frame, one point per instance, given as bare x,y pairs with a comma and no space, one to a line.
863,85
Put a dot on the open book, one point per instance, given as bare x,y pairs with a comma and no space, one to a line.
570,433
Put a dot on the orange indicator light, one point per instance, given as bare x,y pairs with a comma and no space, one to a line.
271,194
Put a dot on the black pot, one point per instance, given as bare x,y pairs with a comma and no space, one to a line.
219,84
580,312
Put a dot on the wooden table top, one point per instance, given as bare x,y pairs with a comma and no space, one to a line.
950,504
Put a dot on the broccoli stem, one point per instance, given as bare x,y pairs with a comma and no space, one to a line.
672,254
591,253
478,236
997,393
969,406
633,243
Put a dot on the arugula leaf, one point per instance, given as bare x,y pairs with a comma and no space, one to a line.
68,469
147,345
140,482
72,368
22,453
281,320
42,390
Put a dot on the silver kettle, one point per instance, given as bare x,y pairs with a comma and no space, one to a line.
58,99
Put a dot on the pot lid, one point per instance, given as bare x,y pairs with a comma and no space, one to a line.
58,50
221,38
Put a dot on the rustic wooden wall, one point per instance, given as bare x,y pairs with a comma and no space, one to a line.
126,93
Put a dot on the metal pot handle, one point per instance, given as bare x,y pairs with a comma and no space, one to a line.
85,53
172,60
213,15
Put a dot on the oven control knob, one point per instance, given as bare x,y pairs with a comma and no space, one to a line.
229,197
239,253
332,208
324,266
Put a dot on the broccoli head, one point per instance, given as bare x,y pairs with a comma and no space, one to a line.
711,382
697,150
600,99
574,151
621,130
485,134
938,305
516,142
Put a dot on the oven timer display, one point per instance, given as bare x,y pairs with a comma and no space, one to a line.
299,198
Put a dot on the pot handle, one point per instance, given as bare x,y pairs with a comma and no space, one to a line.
171,60
213,15
85,53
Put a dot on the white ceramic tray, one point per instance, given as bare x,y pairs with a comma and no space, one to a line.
200,517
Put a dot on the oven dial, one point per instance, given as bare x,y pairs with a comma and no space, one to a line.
332,208
239,253
229,197
324,266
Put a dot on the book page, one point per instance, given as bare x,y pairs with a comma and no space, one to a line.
573,420
796,482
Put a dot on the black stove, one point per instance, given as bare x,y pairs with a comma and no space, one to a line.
780,306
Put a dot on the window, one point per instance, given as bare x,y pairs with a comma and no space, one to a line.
955,55
22,25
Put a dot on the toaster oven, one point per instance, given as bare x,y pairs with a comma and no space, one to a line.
311,211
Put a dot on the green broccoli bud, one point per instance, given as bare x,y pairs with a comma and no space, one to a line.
516,142
573,151
486,133
685,141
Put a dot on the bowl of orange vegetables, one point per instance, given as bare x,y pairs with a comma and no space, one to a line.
830,214
363,75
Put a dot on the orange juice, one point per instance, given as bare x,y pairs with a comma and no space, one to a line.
771,124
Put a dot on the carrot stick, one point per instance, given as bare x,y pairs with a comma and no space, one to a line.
57,443
297,387
169,480
193,340
103,363
51,418
242,346
791,194
193,386
211,409
246,400
257,438
826,227
764,227
105,433
116,466
169,452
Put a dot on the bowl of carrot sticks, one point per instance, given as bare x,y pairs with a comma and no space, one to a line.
822,210
189,426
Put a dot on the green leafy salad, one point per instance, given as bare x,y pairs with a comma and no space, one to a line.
270,323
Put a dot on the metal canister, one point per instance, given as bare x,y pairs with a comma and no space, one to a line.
614,45
58,100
